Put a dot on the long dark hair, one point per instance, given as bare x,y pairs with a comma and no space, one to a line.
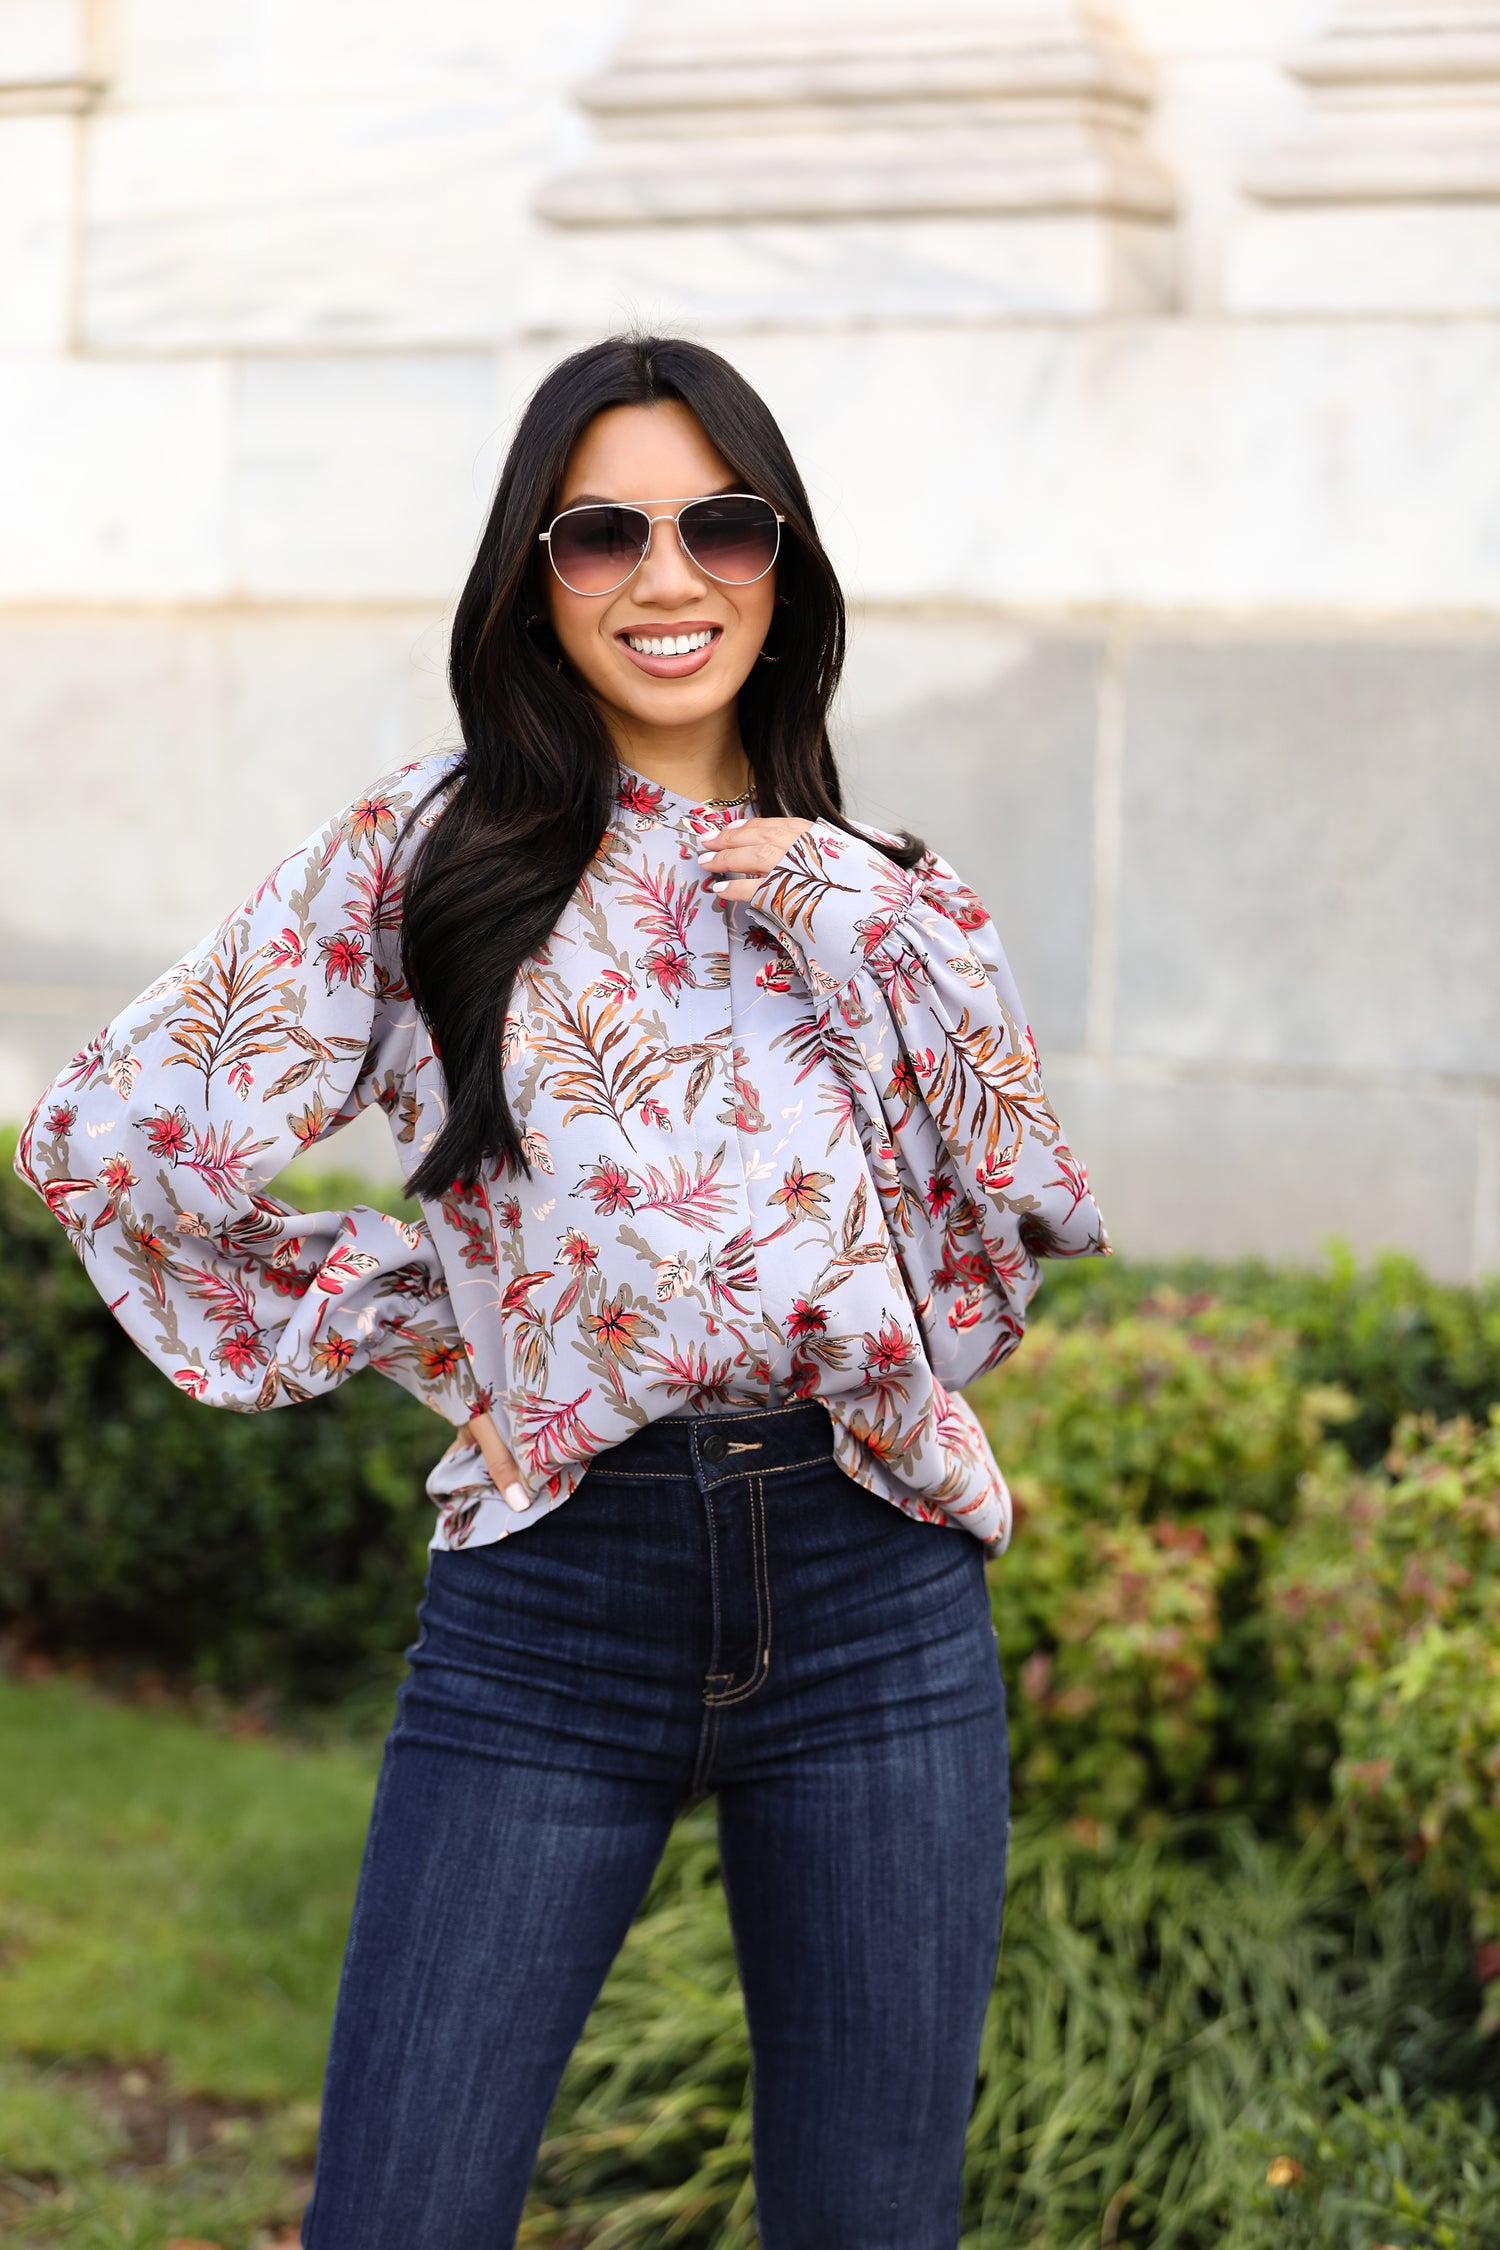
536,783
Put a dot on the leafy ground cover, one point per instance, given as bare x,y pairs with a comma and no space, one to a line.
1197,2037
1250,1988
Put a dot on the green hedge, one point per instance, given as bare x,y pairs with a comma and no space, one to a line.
279,1551
1156,1462
1156,1426
1252,1971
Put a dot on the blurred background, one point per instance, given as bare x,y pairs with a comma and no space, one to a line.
1145,367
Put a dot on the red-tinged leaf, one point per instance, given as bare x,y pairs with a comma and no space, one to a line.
521,1288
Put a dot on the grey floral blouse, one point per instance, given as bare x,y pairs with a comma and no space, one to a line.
791,1148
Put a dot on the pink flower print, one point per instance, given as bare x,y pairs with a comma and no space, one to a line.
116,1175
190,1379
343,958
241,1078
167,1132
576,1250
242,1352
508,1213
806,1320
285,951
890,1350
643,798
61,1118
669,968
941,1189
873,931
611,1187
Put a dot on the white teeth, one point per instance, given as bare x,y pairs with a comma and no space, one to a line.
669,644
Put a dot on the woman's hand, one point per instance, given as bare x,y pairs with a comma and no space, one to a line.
740,856
505,1473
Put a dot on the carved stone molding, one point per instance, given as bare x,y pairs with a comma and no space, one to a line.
47,57
793,130
1389,200
1407,108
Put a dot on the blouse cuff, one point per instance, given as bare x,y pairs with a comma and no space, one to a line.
834,898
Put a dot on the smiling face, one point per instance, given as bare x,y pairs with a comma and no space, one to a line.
656,457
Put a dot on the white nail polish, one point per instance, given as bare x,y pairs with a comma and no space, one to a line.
517,1497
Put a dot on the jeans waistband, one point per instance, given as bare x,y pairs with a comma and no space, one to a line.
709,1449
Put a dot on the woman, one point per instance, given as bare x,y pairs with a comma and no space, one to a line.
736,1161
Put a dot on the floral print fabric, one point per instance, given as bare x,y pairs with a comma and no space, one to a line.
790,1148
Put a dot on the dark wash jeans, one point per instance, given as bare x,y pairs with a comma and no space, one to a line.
717,1607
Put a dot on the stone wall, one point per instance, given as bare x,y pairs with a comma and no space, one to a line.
1144,366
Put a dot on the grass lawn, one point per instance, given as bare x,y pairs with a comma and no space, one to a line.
173,1904
172,1912
1170,2016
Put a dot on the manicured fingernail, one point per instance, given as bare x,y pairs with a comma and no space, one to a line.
517,1497
718,882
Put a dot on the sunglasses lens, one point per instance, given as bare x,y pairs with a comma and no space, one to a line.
733,538
594,549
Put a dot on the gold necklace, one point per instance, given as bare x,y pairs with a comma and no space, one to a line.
724,804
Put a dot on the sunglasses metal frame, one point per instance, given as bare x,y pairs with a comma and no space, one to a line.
643,508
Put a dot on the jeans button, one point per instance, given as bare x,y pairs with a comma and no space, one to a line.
715,1446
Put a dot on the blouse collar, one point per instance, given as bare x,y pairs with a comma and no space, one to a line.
643,805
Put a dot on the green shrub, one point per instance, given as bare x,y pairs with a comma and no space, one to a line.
1144,2049
280,1551
1153,1461
1345,2171
1384,1604
1396,1340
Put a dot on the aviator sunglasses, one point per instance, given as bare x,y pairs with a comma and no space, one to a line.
599,545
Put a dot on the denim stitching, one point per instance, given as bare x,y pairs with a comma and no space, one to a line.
713,1585
670,1476
761,1579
